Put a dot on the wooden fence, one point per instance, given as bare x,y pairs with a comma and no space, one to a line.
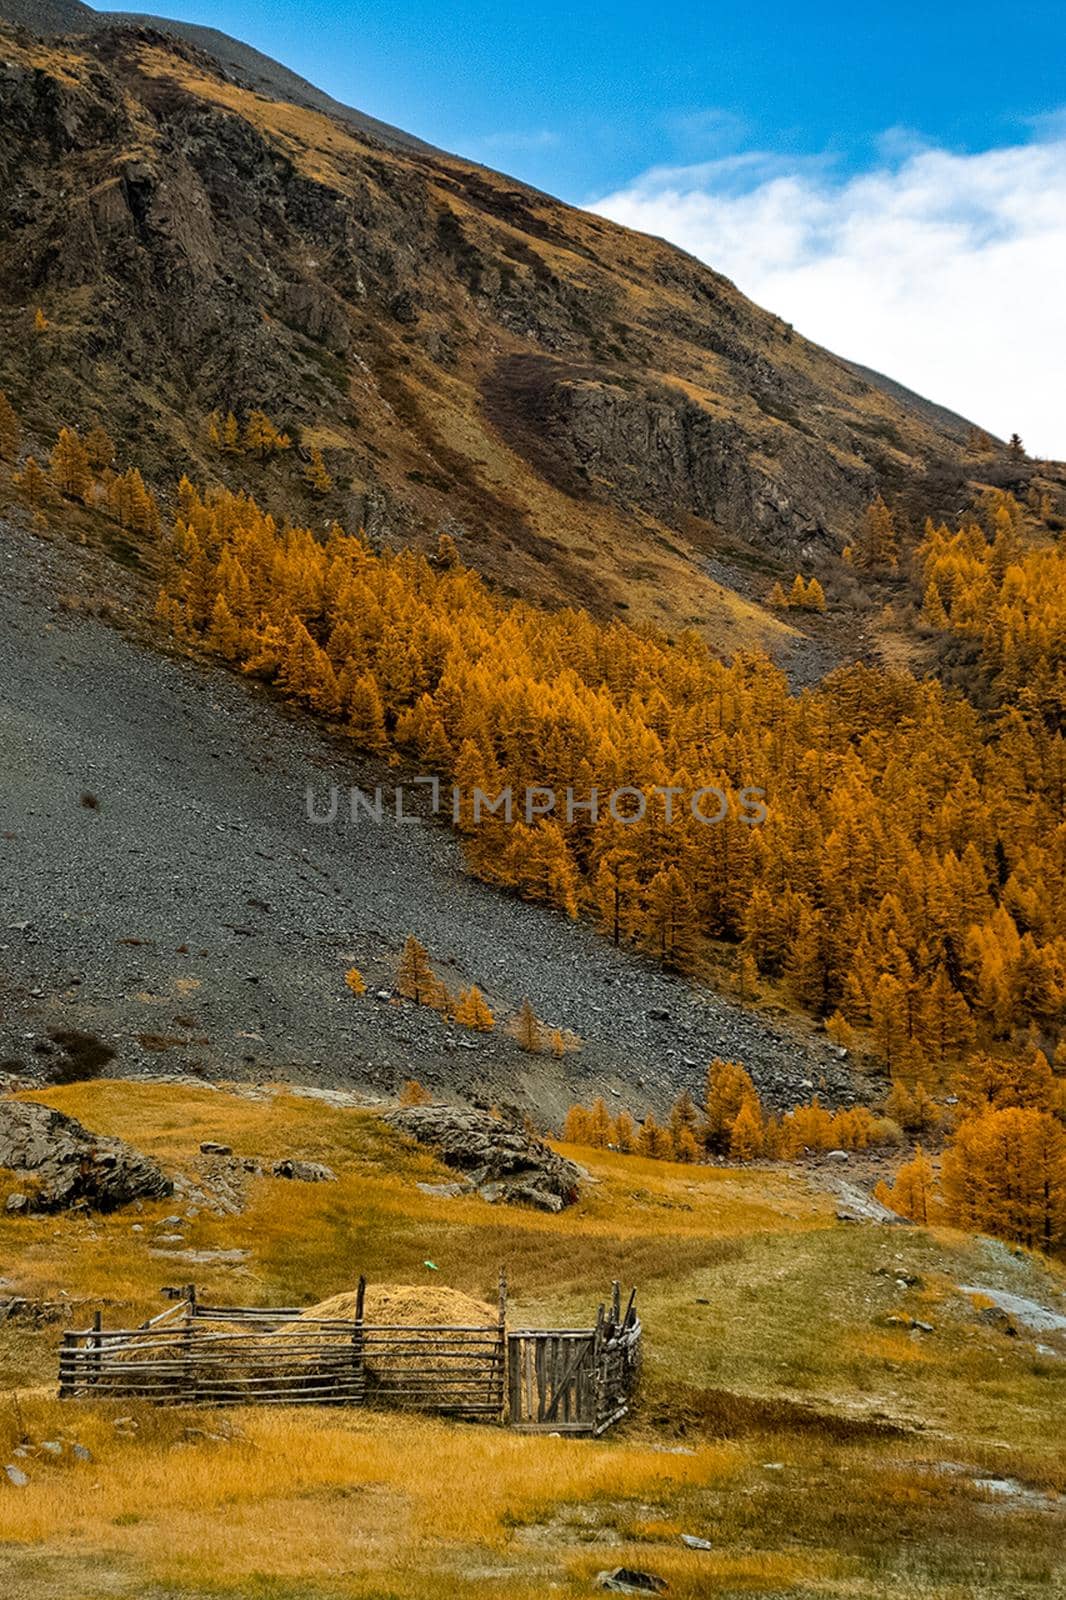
565,1380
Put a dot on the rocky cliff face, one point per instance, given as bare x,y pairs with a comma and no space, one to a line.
648,444
591,410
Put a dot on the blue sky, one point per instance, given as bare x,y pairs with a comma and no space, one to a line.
911,137
579,98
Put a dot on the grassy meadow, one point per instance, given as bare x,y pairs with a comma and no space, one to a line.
791,1413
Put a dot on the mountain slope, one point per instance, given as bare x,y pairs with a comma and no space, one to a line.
248,66
229,920
593,411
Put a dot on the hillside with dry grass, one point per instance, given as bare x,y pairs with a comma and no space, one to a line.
832,1408
595,416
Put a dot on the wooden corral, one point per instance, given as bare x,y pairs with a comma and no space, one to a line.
565,1380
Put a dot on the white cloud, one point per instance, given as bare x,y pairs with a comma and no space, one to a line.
944,271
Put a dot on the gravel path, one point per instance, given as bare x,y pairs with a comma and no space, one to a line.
197,921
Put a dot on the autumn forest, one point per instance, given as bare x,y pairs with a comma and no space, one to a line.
907,890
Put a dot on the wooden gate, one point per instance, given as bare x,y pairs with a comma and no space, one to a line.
574,1380
553,1380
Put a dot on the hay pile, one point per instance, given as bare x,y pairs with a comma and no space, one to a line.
394,1360
408,1305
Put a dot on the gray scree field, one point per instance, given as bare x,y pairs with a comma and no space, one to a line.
162,889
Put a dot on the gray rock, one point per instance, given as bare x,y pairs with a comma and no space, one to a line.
837,1155
1029,1314
208,1147
206,1258
520,1192
16,1476
17,1203
304,1171
694,1542
502,1160
996,1317
71,1165
630,1580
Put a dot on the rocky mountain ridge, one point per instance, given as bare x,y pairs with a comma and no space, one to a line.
246,65
591,412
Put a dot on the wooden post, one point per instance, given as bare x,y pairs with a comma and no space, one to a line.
597,1367
502,1391
358,1340
188,1379
539,1354
514,1383
96,1364
616,1302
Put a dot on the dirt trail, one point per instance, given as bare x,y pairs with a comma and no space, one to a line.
195,919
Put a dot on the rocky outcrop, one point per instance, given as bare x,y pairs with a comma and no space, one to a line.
496,1155
645,444
63,1163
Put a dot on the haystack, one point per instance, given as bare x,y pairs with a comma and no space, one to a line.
408,1305
393,1360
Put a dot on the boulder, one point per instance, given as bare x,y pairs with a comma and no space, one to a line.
68,1164
996,1317
304,1171
496,1154
631,1580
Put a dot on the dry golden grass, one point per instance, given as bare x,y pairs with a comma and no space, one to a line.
782,1416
